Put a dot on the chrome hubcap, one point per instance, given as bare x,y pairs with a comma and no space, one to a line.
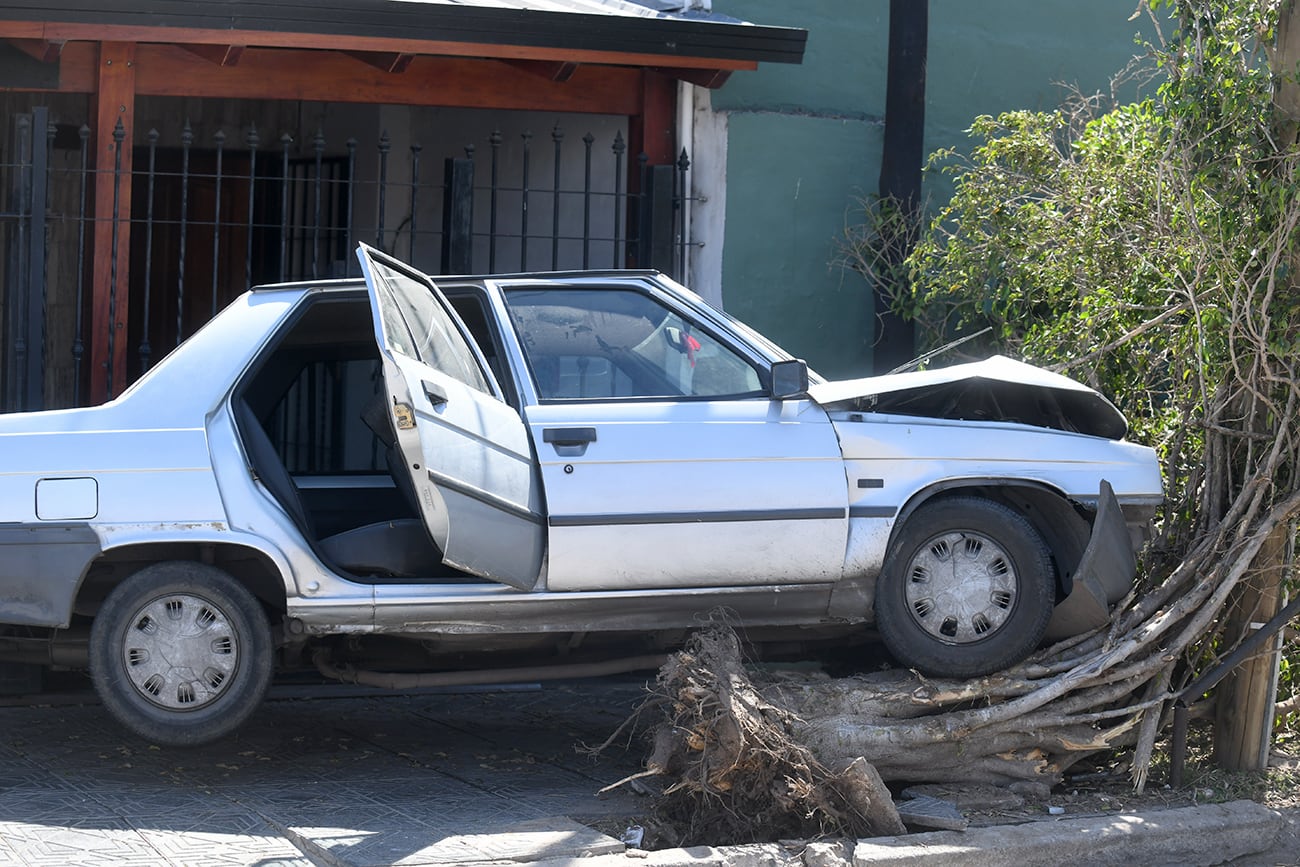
180,652
961,587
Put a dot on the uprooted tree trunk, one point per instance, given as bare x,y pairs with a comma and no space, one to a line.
746,758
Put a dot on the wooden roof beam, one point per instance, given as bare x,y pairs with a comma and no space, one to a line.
710,78
552,70
385,61
43,50
220,55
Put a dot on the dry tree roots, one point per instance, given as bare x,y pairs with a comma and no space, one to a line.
735,769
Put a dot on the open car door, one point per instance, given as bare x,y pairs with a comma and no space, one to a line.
466,450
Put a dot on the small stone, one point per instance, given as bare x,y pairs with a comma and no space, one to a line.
821,854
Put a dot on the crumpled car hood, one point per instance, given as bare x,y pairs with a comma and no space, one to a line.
995,389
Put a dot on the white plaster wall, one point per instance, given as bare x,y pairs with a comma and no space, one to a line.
707,147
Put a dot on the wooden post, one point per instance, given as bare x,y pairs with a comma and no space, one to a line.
1243,704
653,132
458,216
111,239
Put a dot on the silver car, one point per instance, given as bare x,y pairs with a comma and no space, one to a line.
392,482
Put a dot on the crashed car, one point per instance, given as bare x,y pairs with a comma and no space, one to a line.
388,481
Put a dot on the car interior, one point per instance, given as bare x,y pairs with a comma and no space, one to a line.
311,415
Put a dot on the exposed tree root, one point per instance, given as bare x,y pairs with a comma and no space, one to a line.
734,768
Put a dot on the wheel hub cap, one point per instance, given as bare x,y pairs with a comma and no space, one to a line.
180,652
961,587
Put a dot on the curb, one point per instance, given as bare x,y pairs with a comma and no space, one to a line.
1202,835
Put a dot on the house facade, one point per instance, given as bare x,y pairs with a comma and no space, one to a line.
163,155
260,141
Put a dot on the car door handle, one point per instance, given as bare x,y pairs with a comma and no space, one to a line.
569,442
569,436
434,393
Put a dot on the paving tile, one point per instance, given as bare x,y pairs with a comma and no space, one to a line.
163,804
8,858
82,842
51,804
355,835
219,839
505,840
555,837
396,847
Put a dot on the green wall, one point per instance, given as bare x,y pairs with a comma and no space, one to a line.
804,141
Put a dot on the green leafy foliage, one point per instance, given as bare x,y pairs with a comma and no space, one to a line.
1144,249
1152,249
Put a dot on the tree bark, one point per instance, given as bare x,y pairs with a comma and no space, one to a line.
1283,58
1244,700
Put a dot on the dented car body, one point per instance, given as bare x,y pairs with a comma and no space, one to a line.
570,466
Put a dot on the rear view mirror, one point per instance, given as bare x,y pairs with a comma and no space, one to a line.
789,379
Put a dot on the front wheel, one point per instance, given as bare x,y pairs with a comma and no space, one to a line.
180,653
967,589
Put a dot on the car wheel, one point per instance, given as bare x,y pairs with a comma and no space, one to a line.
967,589
180,653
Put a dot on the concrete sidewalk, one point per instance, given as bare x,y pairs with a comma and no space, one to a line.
480,778
430,780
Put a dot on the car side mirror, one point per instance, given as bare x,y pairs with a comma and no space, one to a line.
789,379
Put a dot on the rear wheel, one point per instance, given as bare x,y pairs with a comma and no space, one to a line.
180,653
967,589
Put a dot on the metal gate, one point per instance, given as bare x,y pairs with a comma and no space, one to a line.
211,218
23,294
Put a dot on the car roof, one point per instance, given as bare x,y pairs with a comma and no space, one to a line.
356,282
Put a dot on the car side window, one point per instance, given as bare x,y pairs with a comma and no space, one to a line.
316,426
472,310
602,343
309,389
418,326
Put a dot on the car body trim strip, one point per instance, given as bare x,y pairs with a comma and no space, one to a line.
872,511
697,517
484,497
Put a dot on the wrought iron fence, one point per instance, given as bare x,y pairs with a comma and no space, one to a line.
208,219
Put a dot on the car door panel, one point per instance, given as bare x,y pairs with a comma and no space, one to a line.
468,453
697,493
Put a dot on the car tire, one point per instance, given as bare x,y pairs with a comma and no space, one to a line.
967,589
180,653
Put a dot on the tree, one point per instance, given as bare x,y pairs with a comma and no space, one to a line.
1153,250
